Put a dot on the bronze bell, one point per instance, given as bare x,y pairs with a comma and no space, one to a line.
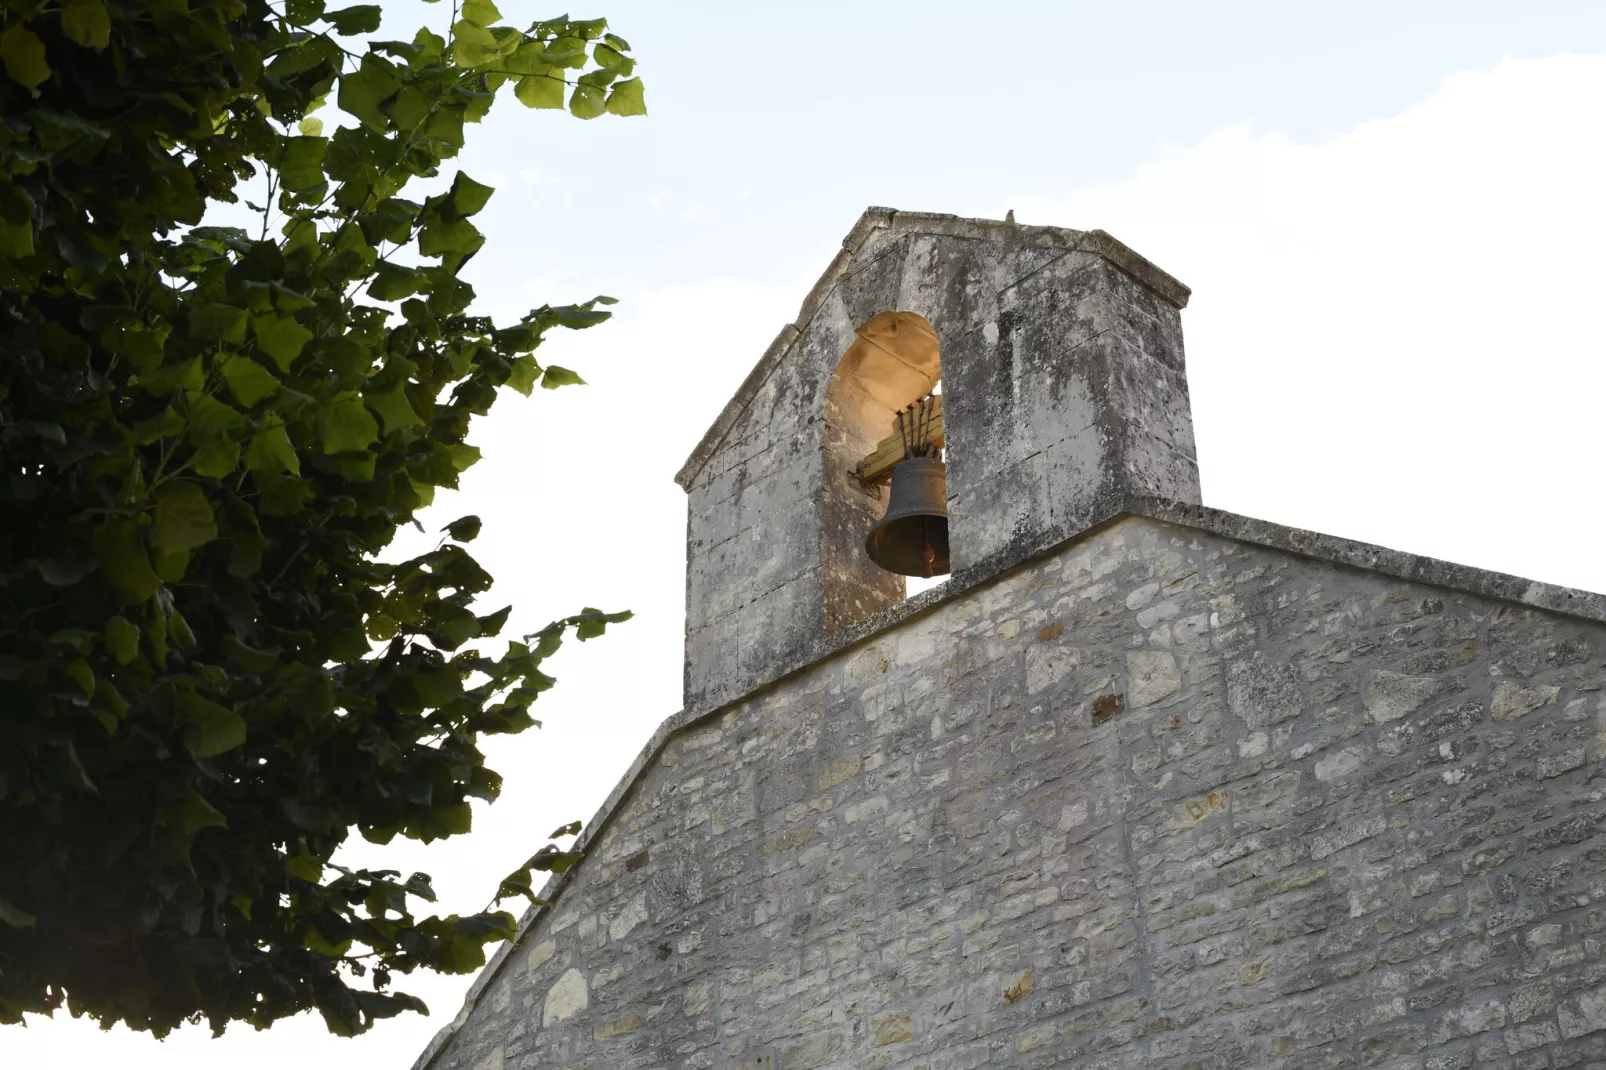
912,539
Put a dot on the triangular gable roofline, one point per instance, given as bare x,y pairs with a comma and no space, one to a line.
924,223
1328,549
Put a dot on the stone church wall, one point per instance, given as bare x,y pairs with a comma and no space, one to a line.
1161,799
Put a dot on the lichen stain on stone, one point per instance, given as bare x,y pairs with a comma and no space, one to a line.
1196,810
892,1029
567,998
1052,630
618,1027
1154,677
1107,706
540,954
1019,989
836,771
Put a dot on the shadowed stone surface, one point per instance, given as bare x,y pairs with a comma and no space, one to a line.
1324,836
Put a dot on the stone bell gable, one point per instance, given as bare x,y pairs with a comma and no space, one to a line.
1060,356
1148,785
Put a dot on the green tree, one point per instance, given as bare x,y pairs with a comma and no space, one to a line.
207,678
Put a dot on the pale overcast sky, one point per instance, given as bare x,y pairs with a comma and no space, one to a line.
1391,219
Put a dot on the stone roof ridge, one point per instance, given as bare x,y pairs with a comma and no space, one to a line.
1331,549
895,222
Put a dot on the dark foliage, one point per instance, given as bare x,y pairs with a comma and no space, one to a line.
208,433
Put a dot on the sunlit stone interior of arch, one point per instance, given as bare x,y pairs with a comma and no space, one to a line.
894,360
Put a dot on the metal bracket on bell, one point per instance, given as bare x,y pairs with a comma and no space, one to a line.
912,539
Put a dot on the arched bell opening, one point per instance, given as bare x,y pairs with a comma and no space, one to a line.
893,363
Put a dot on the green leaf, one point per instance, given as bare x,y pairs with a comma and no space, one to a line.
540,91
280,338
593,622
468,196
182,375
16,240
350,21
249,657
456,819
463,529
304,866
218,323
183,820
392,406
571,829
490,926
156,631
80,673
346,427
166,424
392,282
463,456
69,768
216,459
607,56
587,101
170,568
124,562
522,377
302,12
15,916
491,625
271,451
65,571
122,639
481,12
442,238
87,23
357,467
300,162
110,706
211,418
550,859
579,317
193,813
210,729
528,58
184,519
446,125
315,942
409,108
24,56
142,347
248,381
364,90
556,377
179,628
627,98
430,44
472,46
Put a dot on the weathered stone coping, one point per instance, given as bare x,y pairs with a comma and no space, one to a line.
1328,548
890,219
